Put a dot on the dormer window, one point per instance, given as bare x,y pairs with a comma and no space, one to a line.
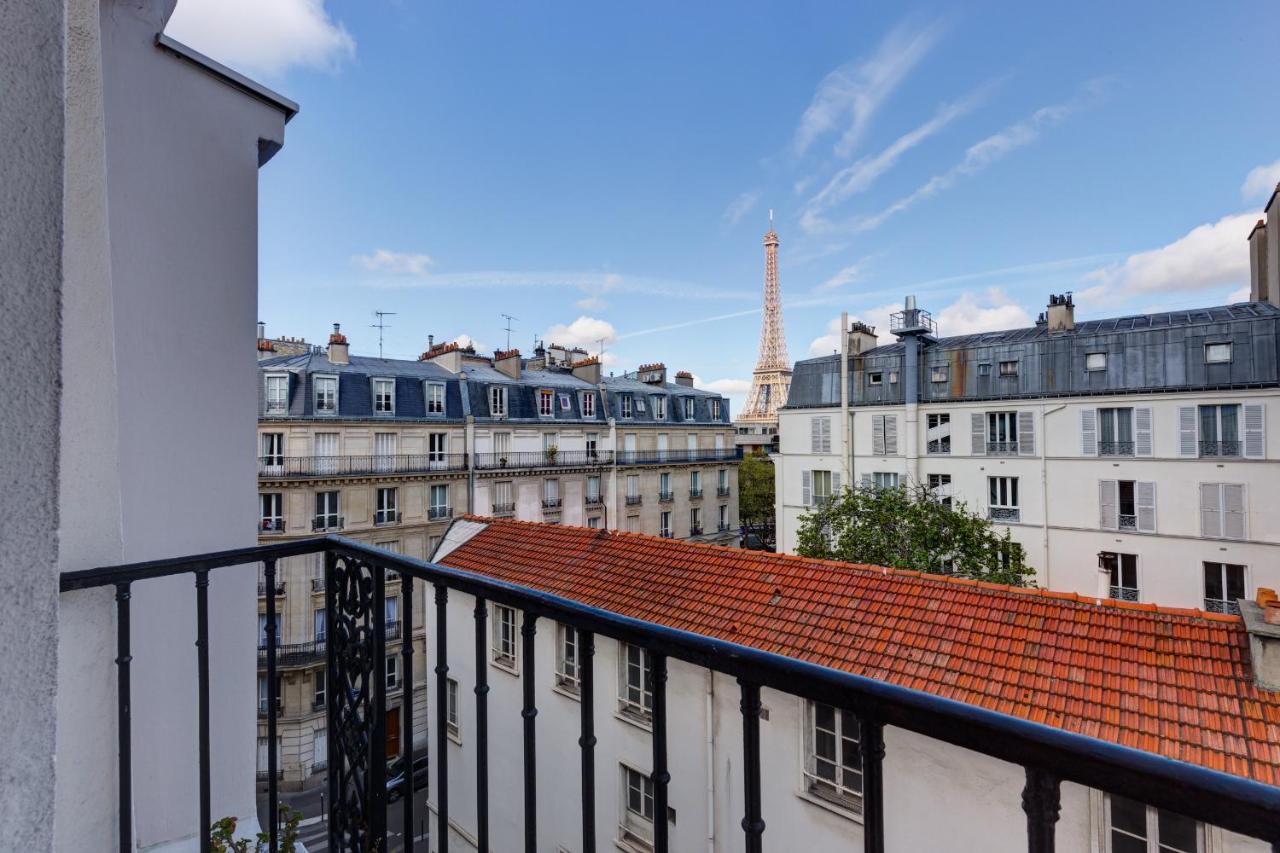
1095,361
326,401
384,396
277,394
688,408
546,403
624,403
1217,353
589,404
564,402
1008,368
715,410
660,408
984,368
434,393
875,378
498,401
639,401
938,374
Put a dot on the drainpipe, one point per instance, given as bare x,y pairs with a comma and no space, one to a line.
711,761
911,397
846,451
1044,484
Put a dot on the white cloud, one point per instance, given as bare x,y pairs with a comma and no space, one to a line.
1213,255
990,312
1261,181
585,332
465,340
877,318
848,275
854,92
395,263
740,207
591,303
265,38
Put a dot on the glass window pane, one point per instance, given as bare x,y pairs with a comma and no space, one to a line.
1177,832
1121,843
1208,423
1129,816
1235,582
1213,580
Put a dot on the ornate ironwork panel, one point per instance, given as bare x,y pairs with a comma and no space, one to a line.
356,704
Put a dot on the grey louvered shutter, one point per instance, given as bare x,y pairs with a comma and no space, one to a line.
1145,497
1108,504
1210,510
835,484
806,488
1255,439
1142,432
1233,525
826,435
866,481
1089,432
1188,431
815,435
877,435
891,434
977,423
1026,433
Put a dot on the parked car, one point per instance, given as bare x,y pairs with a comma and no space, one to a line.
395,777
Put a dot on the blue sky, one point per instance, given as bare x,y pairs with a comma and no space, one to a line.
606,170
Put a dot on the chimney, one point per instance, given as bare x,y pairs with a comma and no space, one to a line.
1262,621
861,337
685,378
262,330
652,374
431,342
338,351
507,362
1062,313
588,370
1258,284
1272,248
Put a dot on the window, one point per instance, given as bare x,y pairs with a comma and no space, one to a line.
498,401
635,698
1123,569
664,486
437,448
502,501
593,523
1095,361
1219,430
1127,505
1115,432
893,377
637,807
546,404
589,404
633,488
885,479
435,398
659,408
593,444
984,368
317,622
1002,432
820,435
451,715
391,614
688,408
875,378
384,397
439,501
724,517
262,630
722,482
1224,586
1222,510
1008,368
277,395
504,637
273,449
263,699
1133,827
551,493
593,489
1003,499
327,517
664,524
272,512
565,405
318,683
326,401
938,374
884,435
625,403
386,510
568,672
939,433
822,487
833,758
940,488
715,409
695,484
1217,353
393,672
695,521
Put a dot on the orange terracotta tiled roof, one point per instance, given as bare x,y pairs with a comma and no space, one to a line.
1170,681
499,355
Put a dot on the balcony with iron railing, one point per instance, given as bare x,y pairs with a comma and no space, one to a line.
504,509
551,504
1004,513
525,459
384,517
695,493
439,513
634,500
1002,448
695,530
327,523
1124,593
271,525
593,500
358,697
1127,522
289,467
1115,448
666,497
722,491
1223,449
262,588
667,457
1222,605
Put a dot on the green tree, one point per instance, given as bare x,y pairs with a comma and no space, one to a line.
909,528
755,490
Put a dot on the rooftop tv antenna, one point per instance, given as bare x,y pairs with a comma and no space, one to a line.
380,326
600,353
509,318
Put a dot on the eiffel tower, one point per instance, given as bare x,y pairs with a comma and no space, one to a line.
771,381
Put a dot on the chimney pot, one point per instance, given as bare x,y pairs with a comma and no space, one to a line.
1262,621
1061,316
339,352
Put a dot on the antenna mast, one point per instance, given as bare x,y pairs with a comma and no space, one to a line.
509,318
380,326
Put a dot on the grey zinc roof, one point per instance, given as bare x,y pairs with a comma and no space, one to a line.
1145,353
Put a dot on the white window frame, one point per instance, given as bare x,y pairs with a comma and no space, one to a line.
695,521
1152,839
387,409
1006,373
659,408
833,791
1224,604
319,683
386,500
435,508
333,508
689,408
939,373
568,660
885,479
723,517
1003,500
282,406
664,524
1218,352
391,672
624,404
452,715
588,404
875,378
936,421
546,403
715,409
497,401
635,828
1095,362
317,395
272,444
504,647
1117,588
635,694
434,396
271,506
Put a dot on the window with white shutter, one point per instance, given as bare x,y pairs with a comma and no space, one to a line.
1211,510
820,434
1108,504
1142,432
1255,445
1223,511
978,425
1089,432
877,435
1188,433
1233,511
891,434
1026,433
806,488
1146,500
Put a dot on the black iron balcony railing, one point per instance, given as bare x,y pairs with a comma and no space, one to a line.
695,530
634,500
295,654
384,517
1124,593
1002,448
722,527
1220,448
666,497
695,493
722,491
1222,605
1004,513
356,701
659,457
1115,448
285,467
504,509
317,584
322,523
543,459
262,588
593,500
271,525
1127,522
551,503
438,512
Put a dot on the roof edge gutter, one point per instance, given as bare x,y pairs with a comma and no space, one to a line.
234,79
